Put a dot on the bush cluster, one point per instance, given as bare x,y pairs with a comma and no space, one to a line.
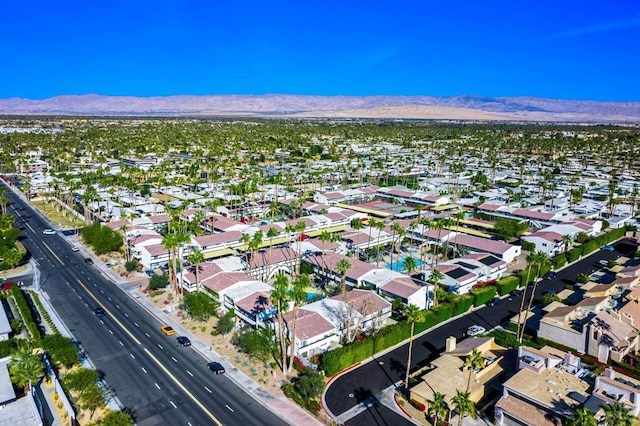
507,284
102,239
25,312
43,311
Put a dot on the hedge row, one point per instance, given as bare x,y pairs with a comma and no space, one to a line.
483,295
25,312
43,311
590,246
507,284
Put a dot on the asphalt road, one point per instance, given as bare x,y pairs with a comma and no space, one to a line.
157,380
364,382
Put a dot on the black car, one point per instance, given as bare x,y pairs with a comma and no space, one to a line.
550,275
494,302
516,293
88,261
99,312
184,341
216,367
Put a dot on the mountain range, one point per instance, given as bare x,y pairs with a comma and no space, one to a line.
465,107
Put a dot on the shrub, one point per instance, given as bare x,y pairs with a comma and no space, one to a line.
507,284
582,278
461,304
158,281
574,254
132,265
528,246
25,312
61,349
102,238
483,295
442,311
559,261
199,306
309,384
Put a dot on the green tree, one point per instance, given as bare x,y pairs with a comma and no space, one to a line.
199,306
256,343
91,399
410,265
539,259
309,384
79,379
196,258
509,228
24,368
226,323
434,279
280,299
158,281
342,267
116,418
413,314
617,414
61,350
582,417
438,406
297,296
472,361
464,405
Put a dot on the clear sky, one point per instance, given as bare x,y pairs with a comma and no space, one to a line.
587,49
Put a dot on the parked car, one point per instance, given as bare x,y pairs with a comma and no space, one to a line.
494,302
168,330
149,272
608,248
603,262
474,330
184,341
49,232
516,293
550,275
216,367
75,248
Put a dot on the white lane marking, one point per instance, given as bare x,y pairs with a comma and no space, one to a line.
117,306
147,335
160,346
101,322
174,405
145,371
109,298
132,356
230,409
190,373
174,360
136,324
208,390
121,344
102,291
157,385
95,285
110,331
86,304
126,315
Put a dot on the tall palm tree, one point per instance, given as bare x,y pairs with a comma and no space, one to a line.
472,361
271,234
567,240
530,261
342,267
582,417
299,228
617,414
280,299
297,296
170,243
410,265
438,406
413,314
435,278
196,258
464,405
25,368
539,259
371,223
380,225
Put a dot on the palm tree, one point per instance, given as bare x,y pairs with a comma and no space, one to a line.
438,407
413,314
410,265
582,417
473,360
299,228
170,243
464,405
371,223
342,267
617,414
435,278
196,258
298,296
567,240
539,260
380,225
271,234
280,299
25,368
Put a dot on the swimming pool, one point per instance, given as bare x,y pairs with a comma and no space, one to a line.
399,265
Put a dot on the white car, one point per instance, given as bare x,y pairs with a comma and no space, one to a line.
474,330
75,248
49,232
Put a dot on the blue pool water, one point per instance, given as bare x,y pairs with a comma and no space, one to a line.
399,265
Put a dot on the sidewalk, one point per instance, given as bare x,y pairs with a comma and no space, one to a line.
283,407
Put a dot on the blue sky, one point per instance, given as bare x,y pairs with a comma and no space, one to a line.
557,49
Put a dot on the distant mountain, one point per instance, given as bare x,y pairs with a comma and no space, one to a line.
453,107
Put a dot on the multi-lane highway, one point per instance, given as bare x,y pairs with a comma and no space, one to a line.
155,378
367,381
